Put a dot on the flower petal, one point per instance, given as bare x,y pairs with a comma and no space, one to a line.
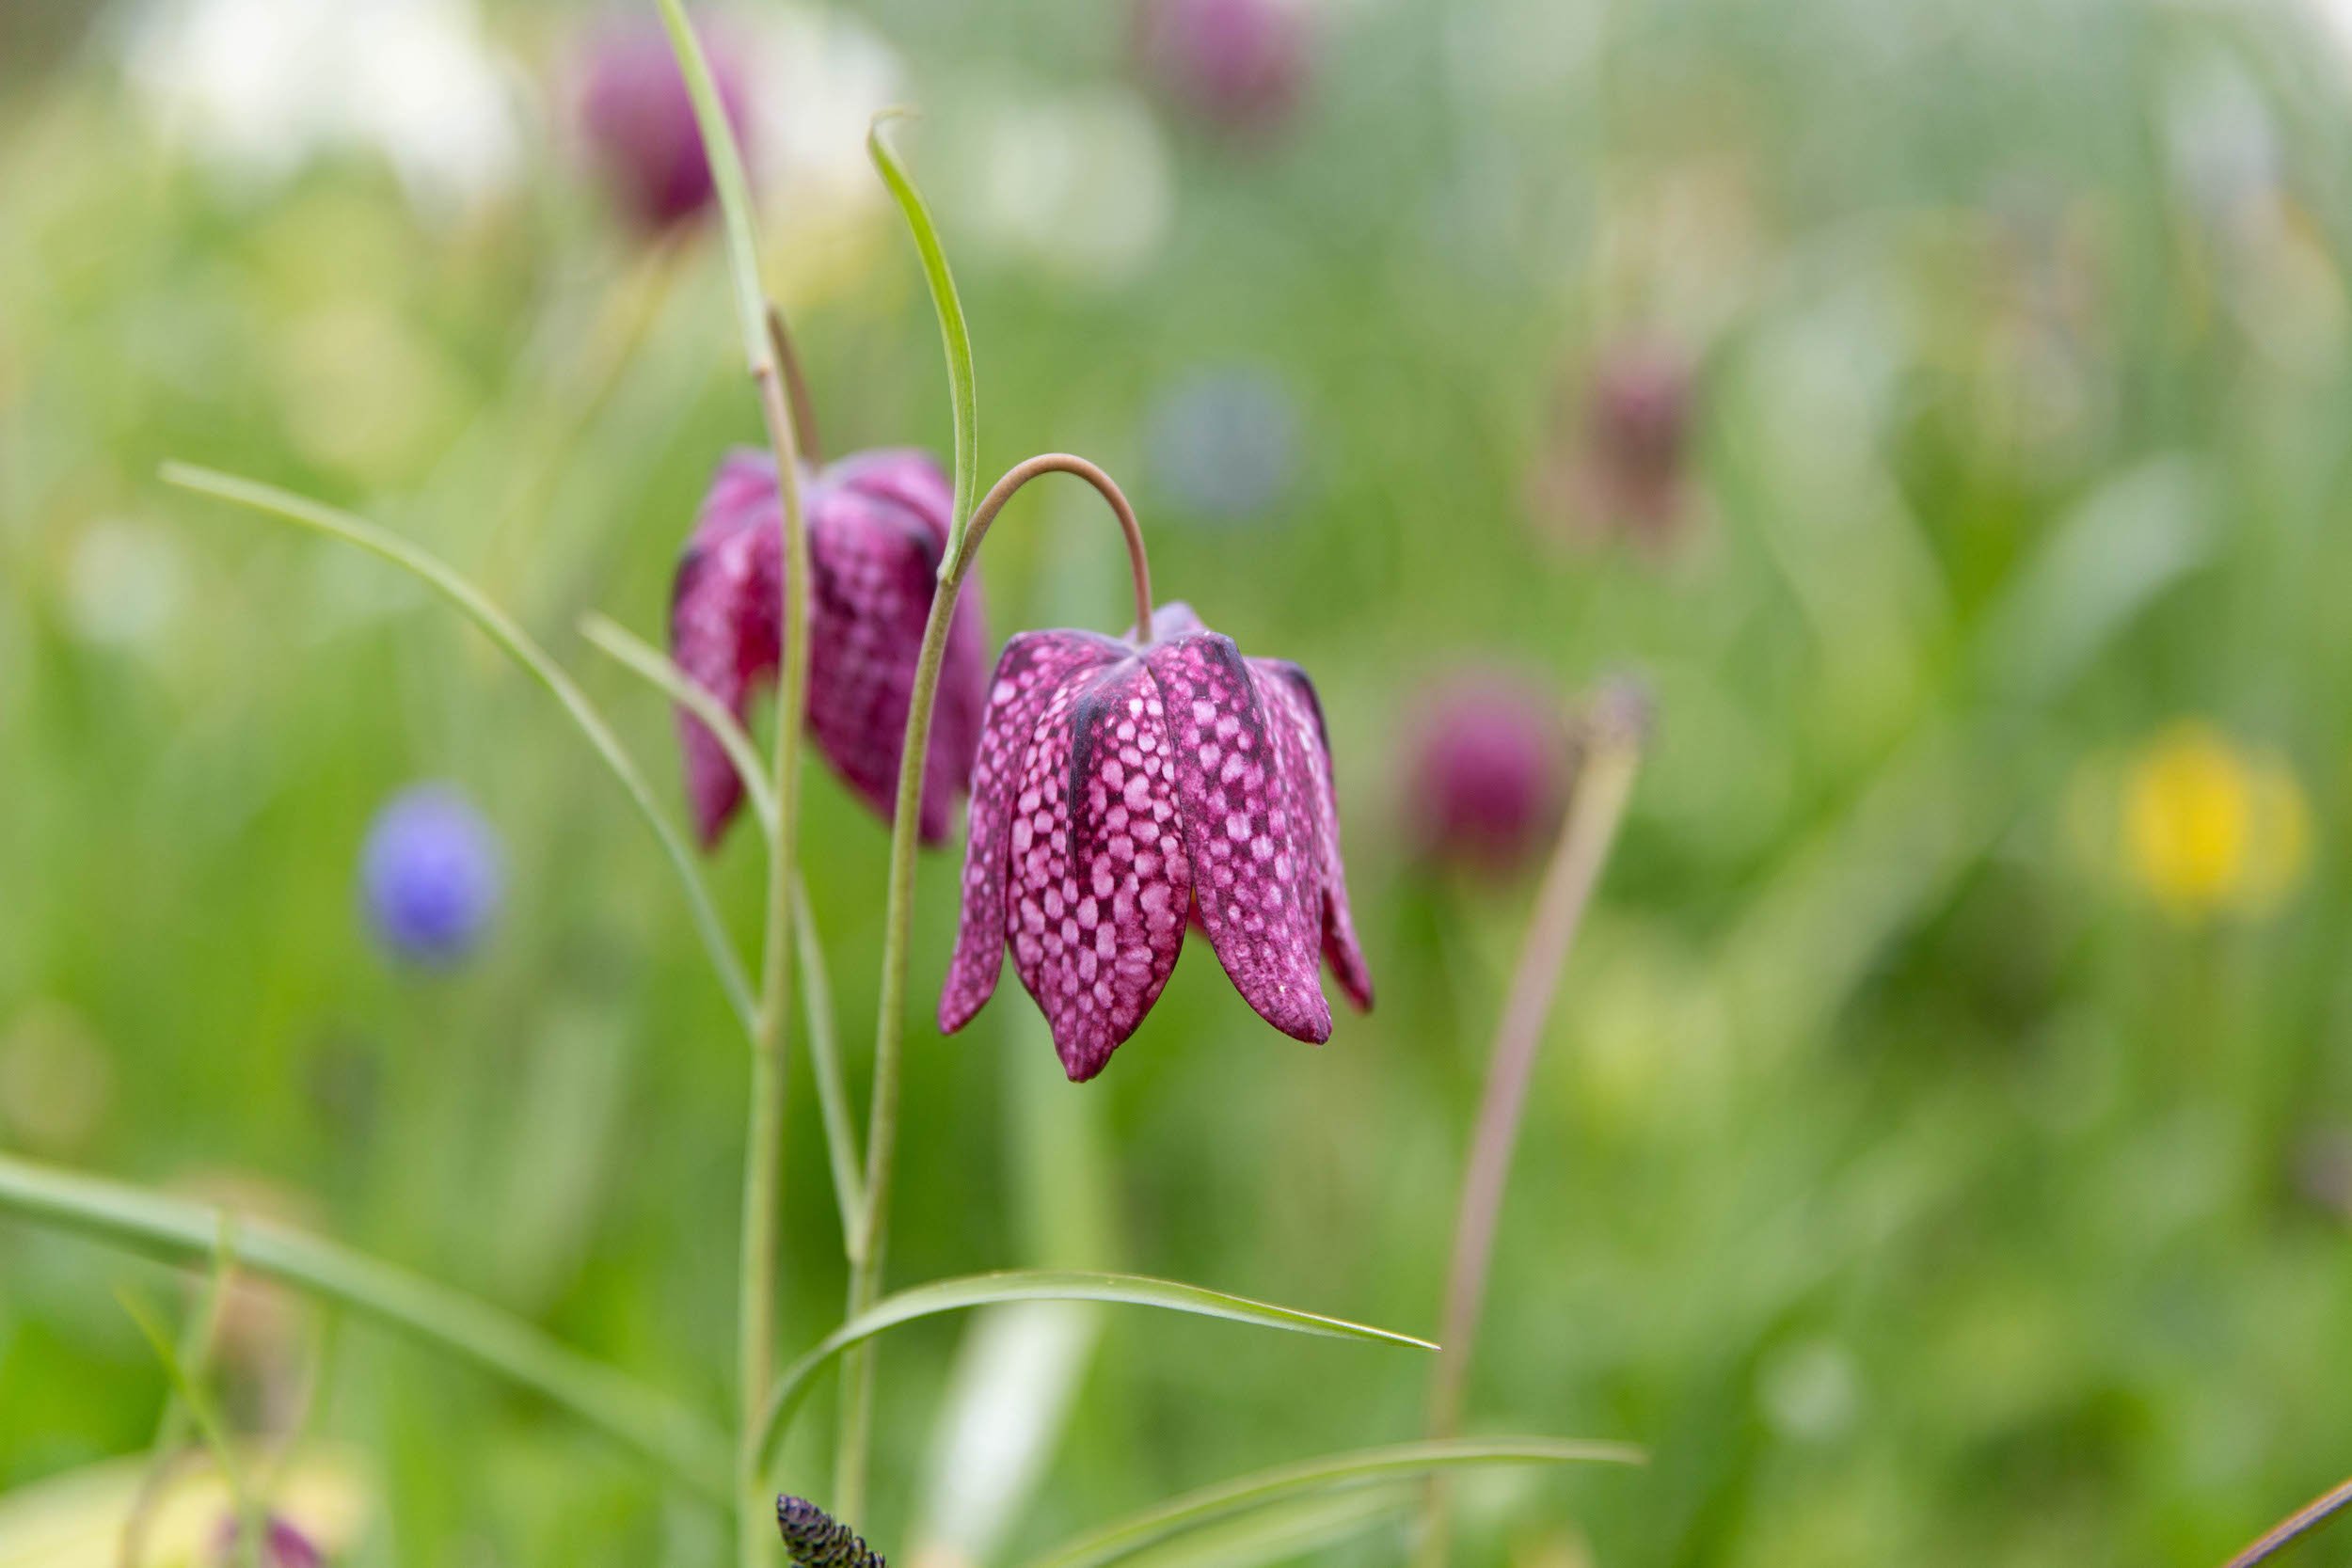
723,609
1033,668
1296,715
1246,823
959,706
873,563
1098,880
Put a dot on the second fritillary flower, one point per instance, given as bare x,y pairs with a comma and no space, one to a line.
877,524
1120,789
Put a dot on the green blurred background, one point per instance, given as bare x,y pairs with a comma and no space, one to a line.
1943,1151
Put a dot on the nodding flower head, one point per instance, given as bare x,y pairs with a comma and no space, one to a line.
1236,65
282,1545
877,525
1489,772
1620,466
1119,789
815,1539
430,875
639,123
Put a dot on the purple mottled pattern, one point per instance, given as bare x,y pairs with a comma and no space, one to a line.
1238,66
639,122
1119,790
430,875
877,525
282,1545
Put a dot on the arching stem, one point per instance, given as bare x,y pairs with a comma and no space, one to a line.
881,1139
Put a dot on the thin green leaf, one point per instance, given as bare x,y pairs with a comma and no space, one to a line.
519,645
963,384
1281,1532
824,1042
727,181
198,1404
643,659
195,1354
987,1290
824,1056
637,1416
1364,1467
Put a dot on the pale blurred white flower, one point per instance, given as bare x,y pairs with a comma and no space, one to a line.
1078,185
818,78
1004,1411
125,582
261,87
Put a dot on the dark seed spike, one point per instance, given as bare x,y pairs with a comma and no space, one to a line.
815,1539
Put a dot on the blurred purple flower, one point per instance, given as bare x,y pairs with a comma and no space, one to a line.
1236,65
1119,788
640,125
877,524
282,1545
1620,465
430,875
1488,778
1223,441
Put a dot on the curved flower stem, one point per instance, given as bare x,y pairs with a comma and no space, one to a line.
1139,563
1610,737
882,1138
2295,1525
178,1228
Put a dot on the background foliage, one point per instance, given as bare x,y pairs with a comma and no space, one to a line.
1944,1152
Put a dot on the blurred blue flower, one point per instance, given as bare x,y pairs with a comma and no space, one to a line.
1222,441
431,875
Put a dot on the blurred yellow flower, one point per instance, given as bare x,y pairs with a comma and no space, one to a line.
75,1520
2210,827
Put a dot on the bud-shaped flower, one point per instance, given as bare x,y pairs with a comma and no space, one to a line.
877,525
1119,789
639,122
815,1539
1489,774
1237,65
1621,467
430,875
282,1545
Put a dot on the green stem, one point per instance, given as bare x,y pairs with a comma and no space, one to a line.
178,1230
1609,735
195,1353
763,1154
882,1136
816,990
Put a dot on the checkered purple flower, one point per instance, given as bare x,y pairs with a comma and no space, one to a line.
1119,790
877,524
639,123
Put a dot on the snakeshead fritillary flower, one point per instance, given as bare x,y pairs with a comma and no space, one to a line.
1119,788
1489,774
640,124
877,523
